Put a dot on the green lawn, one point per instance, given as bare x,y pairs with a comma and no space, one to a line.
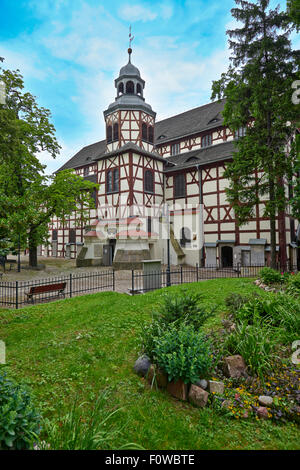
81,346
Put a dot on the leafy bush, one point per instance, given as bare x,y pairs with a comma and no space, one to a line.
269,276
293,284
149,332
235,301
183,353
183,308
19,420
256,343
278,310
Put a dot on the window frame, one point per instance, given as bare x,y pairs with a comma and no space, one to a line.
146,190
183,194
115,182
72,239
206,141
176,147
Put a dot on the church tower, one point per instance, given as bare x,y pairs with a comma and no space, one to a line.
129,118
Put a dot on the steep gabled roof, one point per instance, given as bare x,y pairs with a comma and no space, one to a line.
203,156
85,156
190,122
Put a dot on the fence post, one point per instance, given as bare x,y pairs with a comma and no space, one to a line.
71,285
181,276
17,294
197,273
132,282
114,281
239,269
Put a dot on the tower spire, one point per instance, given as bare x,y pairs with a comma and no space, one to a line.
131,38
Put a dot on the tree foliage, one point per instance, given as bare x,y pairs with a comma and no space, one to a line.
258,92
29,197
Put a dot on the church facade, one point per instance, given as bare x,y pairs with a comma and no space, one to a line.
163,180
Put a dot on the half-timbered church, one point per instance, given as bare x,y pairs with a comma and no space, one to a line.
171,170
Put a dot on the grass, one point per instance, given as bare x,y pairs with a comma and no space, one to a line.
77,348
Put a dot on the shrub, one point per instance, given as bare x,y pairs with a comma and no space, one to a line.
269,276
280,310
149,332
256,344
183,308
183,353
19,420
235,301
293,284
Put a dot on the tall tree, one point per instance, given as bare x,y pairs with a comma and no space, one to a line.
258,92
293,8
28,197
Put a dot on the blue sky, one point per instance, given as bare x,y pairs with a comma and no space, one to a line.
70,52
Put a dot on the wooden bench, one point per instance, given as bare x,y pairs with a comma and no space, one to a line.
37,290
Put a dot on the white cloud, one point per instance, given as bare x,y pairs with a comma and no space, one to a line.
137,13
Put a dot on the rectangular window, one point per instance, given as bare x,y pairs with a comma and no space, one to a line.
86,171
112,181
206,140
72,235
179,186
241,132
54,235
175,149
149,224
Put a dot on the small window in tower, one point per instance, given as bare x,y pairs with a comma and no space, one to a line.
116,131
129,87
149,181
179,186
144,132
139,89
175,149
151,134
121,88
206,140
112,181
109,134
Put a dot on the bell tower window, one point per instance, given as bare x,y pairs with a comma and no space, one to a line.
121,88
139,89
130,87
109,134
116,131
144,132
151,134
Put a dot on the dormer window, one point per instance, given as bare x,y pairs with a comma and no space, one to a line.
206,140
161,137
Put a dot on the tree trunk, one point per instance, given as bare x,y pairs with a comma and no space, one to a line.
33,262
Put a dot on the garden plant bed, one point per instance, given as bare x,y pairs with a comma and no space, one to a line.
76,350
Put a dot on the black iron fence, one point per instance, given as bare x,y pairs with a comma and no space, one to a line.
23,293
144,282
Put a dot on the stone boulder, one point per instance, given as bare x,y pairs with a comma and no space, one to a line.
216,387
264,400
202,383
235,367
142,365
262,412
198,396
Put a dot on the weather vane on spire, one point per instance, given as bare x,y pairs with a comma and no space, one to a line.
131,38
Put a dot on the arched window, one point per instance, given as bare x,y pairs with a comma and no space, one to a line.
121,88
130,87
150,134
179,186
144,132
139,89
185,236
116,131
109,134
149,181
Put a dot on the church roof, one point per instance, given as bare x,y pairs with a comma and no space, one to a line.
190,122
203,156
129,70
